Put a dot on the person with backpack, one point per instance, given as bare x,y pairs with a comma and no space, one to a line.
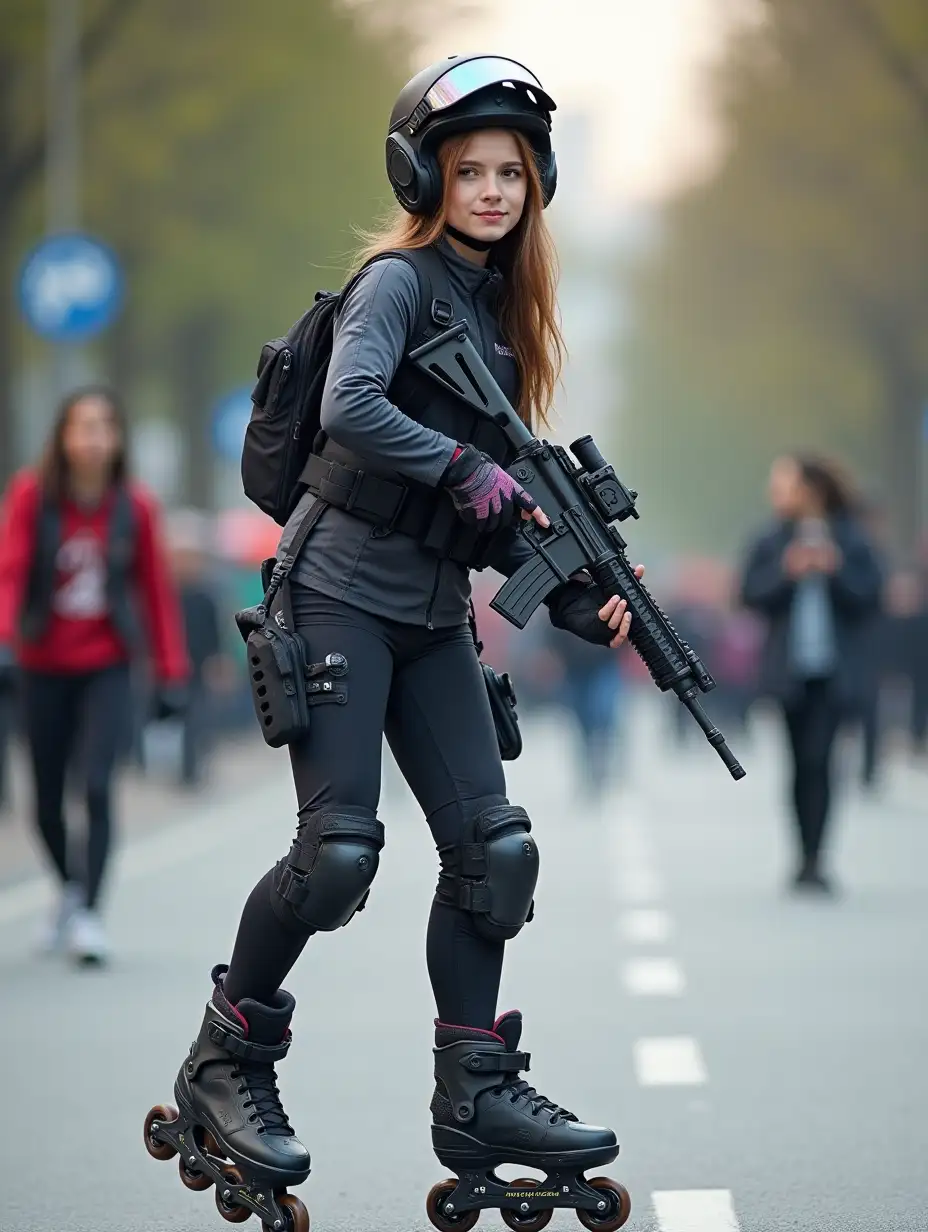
84,584
400,491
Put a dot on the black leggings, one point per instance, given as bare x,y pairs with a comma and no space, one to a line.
425,691
76,721
812,722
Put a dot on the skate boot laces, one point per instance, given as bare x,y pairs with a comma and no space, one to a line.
259,1083
518,1090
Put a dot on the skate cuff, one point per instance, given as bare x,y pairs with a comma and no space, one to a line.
496,1062
246,1050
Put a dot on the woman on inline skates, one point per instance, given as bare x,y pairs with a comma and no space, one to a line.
386,585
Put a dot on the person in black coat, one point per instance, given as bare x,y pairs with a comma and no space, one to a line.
815,577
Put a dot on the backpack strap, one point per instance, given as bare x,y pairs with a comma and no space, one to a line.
40,584
436,305
121,531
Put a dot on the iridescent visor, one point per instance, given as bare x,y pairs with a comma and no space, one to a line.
465,79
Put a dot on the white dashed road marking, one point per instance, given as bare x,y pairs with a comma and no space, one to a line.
647,926
669,1061
695,1210
653,977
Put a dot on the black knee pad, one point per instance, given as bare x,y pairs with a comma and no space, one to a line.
492,874
327,876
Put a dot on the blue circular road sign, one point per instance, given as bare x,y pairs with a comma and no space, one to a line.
229,420
70,288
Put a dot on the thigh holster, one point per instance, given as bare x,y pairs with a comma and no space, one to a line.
331,866
492,874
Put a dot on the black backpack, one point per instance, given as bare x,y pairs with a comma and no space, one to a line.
285,416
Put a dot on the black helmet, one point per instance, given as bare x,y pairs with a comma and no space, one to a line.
459,95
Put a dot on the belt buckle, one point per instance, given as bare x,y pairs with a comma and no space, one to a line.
355,490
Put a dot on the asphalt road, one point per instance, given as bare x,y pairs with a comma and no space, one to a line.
762,1059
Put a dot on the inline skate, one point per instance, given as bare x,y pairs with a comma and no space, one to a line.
484,1115
229,1128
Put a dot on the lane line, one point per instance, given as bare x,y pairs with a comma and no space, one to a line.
695,1210
653,977
647,926
637,878
669,1061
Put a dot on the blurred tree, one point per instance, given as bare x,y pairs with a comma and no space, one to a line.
787,306
227,153
22,153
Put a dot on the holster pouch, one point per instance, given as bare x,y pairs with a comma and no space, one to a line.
277,672
503,706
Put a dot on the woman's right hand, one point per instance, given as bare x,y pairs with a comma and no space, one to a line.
484,494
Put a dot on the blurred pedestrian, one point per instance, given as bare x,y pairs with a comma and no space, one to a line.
212,672
815,577
81,560
590,689
7,686
875,658
907,622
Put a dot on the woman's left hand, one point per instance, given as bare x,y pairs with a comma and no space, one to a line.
617,616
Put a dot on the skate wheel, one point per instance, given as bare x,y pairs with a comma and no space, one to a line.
192,1177
534,1221
228,1208
154,1146
618,1206
438,1218
296,1213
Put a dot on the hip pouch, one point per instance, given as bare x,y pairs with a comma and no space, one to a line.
278,689
503,706
284,686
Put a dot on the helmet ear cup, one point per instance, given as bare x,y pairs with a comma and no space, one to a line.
415,180
548,171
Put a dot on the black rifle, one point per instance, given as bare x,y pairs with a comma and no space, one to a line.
582,502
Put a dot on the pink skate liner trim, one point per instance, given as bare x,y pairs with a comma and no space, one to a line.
457,1027
508,1014
241,1017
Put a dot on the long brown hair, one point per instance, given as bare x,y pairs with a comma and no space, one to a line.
528,316
831,482
53,467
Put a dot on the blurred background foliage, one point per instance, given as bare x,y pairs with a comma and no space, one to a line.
228,149
785,305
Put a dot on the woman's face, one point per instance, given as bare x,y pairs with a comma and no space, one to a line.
487,197
785,488
91,437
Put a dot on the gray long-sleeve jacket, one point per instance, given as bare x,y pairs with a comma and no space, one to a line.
345,557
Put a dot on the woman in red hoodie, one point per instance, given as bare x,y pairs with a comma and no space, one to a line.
84,585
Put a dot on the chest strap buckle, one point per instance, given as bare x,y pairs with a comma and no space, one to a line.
442,312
